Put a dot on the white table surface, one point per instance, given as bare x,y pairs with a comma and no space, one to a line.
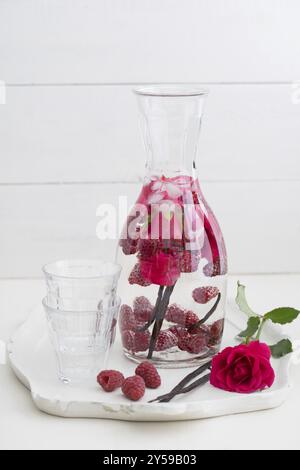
22,426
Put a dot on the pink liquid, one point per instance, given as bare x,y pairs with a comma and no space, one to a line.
172,240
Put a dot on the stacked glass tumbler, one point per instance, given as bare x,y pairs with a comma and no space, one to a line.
81,308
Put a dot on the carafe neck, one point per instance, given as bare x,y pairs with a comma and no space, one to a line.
171,122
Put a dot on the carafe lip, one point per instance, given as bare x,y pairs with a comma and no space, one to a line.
170,91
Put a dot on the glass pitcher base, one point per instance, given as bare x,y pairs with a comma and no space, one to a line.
168,361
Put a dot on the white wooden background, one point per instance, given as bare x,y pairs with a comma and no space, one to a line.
69,136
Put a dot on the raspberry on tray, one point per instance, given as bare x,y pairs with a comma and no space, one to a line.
134,387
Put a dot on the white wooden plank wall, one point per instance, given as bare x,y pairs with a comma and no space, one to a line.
69,136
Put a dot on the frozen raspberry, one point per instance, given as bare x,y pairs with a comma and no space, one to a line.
183,341
130,234
110,380
134,387
141,303
142,309
136,341
190,319
177,314
197,344
149,373
200,329
127,319
141,341
165,340
189,261
137,278
128,245
128,340
147,248
216,332
202,295
216,268
193,343
178,331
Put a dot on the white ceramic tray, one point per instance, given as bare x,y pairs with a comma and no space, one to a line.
31,358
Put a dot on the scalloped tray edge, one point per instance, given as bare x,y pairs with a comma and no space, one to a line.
143,411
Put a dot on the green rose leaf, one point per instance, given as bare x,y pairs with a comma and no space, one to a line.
282,315
252,327
282,348
242,301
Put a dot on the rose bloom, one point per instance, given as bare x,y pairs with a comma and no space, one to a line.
243,369
160,269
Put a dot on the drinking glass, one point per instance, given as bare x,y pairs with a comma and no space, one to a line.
81,308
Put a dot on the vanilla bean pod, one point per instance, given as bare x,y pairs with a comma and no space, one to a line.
207,316
155,332
185,381
160,315
155,310
165,302
197,383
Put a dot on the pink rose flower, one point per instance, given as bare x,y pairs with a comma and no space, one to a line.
243,369
161,269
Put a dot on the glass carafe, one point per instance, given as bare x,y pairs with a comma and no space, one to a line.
171,248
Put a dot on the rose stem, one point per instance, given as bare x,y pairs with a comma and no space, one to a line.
155,310
186,380
209,314
162,308
197,383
